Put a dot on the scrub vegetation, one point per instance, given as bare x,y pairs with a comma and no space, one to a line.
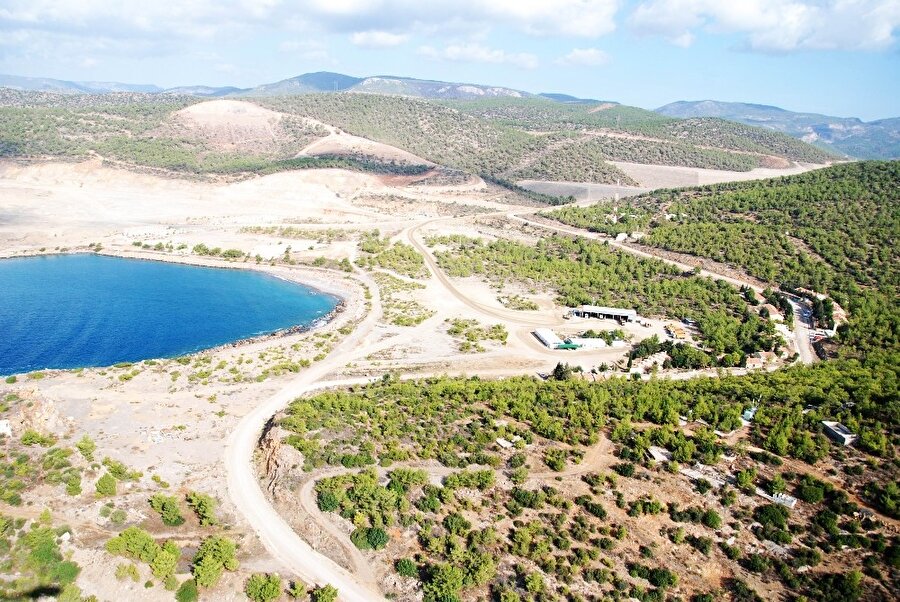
846,219
582,271
496,524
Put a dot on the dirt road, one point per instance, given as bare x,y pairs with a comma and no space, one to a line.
801,327
244,489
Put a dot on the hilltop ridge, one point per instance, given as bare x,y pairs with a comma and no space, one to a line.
851,136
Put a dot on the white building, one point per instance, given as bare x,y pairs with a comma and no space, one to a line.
6,428
838,432
548,338
587,343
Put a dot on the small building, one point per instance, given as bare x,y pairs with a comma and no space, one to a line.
504,443
676,331
6,428
548,338
749,413
788,501
838,432
755,361
774,313
587,343
605,313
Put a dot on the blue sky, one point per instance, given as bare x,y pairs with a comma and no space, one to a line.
839,57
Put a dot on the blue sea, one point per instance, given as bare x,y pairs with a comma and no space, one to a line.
71,311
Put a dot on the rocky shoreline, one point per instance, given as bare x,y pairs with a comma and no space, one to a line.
286,332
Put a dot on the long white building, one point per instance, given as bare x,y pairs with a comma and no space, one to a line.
609,313
548,338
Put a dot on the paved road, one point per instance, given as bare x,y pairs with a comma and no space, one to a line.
802,333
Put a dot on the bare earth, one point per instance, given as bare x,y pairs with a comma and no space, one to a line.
196,423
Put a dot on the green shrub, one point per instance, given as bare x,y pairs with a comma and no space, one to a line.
215,555
106,485
360,539
377,538
263,587
326,593
168,509
406,567
204,506
127,571
32,437
187,592
86,448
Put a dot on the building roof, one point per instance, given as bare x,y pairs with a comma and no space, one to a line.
547,336
837,427
613,311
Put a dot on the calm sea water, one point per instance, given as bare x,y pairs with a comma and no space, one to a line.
70,311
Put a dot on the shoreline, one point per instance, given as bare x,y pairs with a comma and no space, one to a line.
313,279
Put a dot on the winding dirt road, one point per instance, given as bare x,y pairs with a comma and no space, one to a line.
245,492
802,341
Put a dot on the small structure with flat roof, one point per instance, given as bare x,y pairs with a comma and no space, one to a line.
548,338
676,331
838,432
587,342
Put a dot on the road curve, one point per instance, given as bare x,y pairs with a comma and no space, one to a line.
801,328
493,312
244,489
274,532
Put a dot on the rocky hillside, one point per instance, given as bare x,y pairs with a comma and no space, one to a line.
846,135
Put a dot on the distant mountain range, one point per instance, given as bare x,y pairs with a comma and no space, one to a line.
46,84
847,135
308,83
381,84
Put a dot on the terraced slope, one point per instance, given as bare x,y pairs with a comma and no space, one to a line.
543,115
438,133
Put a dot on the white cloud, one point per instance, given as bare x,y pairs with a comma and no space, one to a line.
585,57
208,18
477,53
775,25
583,18
309,50
377,39
176,28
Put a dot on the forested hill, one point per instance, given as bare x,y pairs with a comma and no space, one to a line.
833,230
848,135
540,115
505,140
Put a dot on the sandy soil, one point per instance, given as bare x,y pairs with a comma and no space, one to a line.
342,143
665,176
189,422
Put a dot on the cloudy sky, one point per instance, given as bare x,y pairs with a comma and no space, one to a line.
839,57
